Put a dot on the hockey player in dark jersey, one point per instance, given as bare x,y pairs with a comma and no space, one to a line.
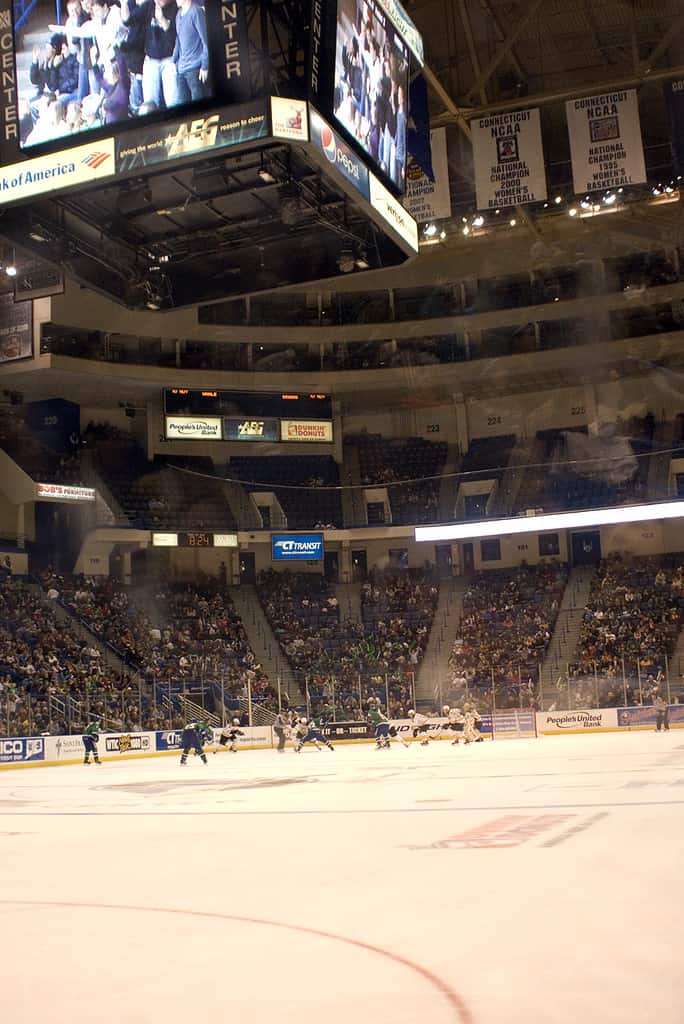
193,737
383,729
306,731
228,736
91,735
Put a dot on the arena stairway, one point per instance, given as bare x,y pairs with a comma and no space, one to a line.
659,461
349,600
563,645
353,505
108,657
512,479
434,674
263,642
448,485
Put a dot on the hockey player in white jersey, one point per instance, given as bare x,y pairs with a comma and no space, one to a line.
419,727
471,721
306,731
454,723
228,736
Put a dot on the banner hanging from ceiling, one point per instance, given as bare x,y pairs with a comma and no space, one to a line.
605,141
674,100
429,200
509,159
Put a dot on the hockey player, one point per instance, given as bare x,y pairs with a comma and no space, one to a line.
419,726
380,723
471,721
281,728
91,735
229,734
454,723
308,732
383,729
194,736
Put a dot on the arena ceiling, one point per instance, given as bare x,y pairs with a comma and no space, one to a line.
225,230
489,56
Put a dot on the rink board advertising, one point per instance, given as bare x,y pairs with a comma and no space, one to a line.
296,547
363,95
58,52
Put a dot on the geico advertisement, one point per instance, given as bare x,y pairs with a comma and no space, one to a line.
194,428
23,748
306,430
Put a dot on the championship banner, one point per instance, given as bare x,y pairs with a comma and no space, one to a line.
674,101
429,200
509,159
605,141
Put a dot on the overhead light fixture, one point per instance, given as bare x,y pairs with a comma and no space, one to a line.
442,235
346,261
466,230
512,222
11,270
265,175
610,199
558,200
478,221
572,212
621,514
430,230
361,261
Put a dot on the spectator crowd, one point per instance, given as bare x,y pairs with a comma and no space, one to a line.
108,61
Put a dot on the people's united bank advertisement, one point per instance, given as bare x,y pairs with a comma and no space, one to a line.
296,547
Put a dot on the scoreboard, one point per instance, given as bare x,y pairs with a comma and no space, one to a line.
208,415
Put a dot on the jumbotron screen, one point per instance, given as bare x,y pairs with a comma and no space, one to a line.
371,85
84,65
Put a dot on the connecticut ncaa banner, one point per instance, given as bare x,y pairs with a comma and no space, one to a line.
605,141
429,200
509,159
674,99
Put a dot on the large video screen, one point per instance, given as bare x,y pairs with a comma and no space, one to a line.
371,85
89,64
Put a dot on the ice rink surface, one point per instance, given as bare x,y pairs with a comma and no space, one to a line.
532,880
